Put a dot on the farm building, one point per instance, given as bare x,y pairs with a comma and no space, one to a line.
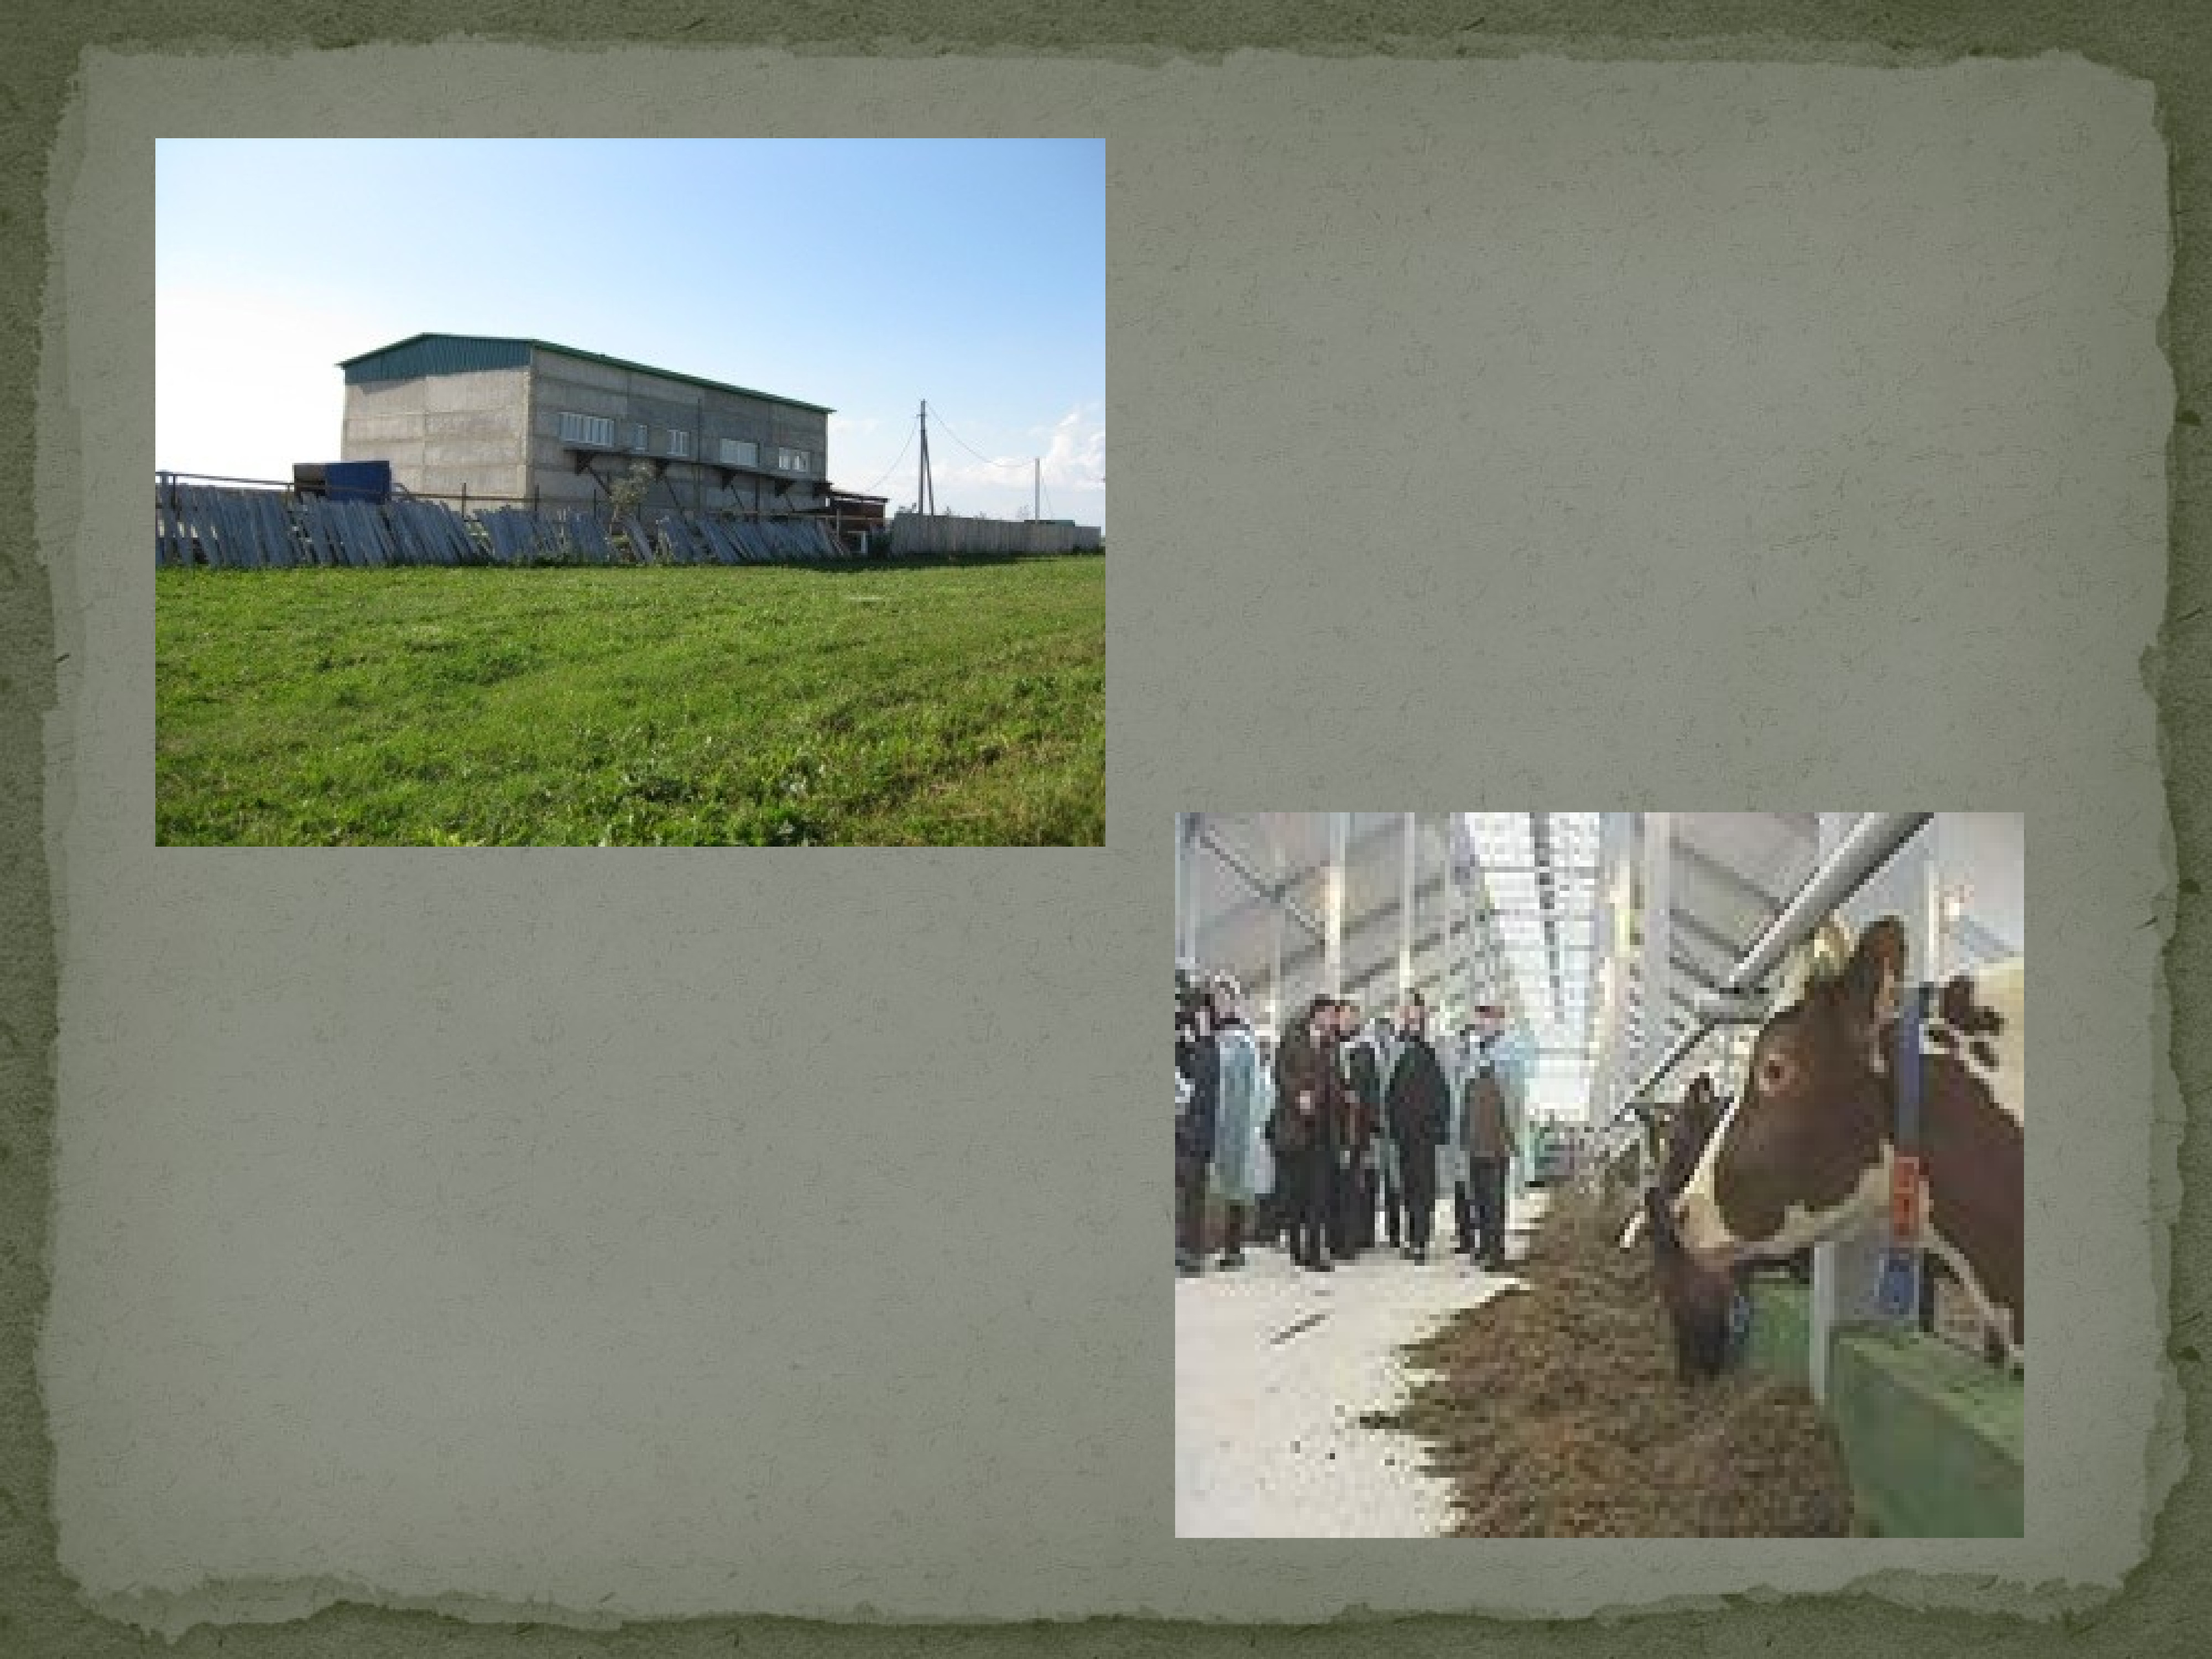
471,414
1579,1173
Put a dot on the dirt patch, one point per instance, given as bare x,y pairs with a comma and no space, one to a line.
1556,1413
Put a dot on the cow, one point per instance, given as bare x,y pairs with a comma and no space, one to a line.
1700,1301
1806,1152
1674,1136
1687,1132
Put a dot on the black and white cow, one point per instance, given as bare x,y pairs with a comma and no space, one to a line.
1805,1154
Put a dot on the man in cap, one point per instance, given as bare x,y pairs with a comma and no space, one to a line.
1491,1133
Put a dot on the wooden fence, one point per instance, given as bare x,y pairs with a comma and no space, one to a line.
233,529
943,532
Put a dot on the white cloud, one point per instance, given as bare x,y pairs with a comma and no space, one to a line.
1073,464
1077,459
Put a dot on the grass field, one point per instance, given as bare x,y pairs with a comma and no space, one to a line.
876,705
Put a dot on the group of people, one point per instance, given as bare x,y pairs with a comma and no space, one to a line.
1349,1124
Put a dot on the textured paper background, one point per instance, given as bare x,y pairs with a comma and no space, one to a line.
641,1074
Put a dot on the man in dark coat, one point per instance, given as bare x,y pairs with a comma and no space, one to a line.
1198,1063
1418,1103
1363,1111
1309,1106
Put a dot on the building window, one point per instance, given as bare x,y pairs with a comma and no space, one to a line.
590,431
737,452
637,437
791,460
679,444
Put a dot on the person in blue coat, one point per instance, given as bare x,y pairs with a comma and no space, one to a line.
1241,1111
1511,1056
1383,1034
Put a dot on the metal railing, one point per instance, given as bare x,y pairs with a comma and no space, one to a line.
1260,884
468,499
1872,842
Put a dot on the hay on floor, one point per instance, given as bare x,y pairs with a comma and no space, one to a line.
1557,1412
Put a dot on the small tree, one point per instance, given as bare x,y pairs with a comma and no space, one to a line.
629,492
626,496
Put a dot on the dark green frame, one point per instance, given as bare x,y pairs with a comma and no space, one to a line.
2167,1602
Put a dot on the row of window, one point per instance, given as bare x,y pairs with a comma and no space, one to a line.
597,432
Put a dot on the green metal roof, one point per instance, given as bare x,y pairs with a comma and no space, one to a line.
466,353
435,354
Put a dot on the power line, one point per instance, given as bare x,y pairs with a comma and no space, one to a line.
971,449
893,467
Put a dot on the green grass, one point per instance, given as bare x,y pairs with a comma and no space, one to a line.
877,705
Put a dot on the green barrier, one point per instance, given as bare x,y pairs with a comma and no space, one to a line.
1933,1438
1781,1339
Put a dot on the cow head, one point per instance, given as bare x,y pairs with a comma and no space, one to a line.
1803,1154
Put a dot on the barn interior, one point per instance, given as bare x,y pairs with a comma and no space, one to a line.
1631,952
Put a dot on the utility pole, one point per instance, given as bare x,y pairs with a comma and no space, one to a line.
1037,496
924,499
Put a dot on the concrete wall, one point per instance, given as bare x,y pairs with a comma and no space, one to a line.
915,533
443,434
497,432
629,396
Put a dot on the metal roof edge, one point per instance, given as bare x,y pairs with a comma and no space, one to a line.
591,357
396,345
673,374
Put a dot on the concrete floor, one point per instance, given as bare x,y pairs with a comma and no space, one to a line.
1274,1367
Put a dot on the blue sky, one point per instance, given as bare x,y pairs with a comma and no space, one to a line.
863,274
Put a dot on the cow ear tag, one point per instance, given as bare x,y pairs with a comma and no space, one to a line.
1905,1199
1898,1293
